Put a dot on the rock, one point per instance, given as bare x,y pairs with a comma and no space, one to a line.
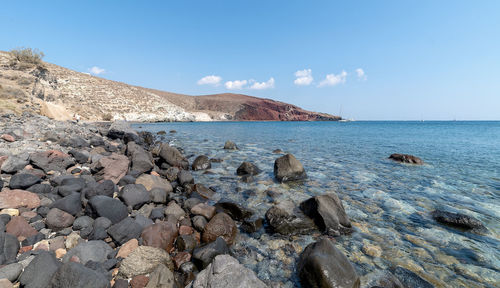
9,246
227,272
457,220
186,243
127,248
20,228
142,161
127,179
204,255
410,279
122,130
157,214
139,281
161,277
234,210
51,160
8,138
181,258
72,240
94,250
190,203
58,219
18,198
204,210
125,230
288,168
15,163
221,225
405,158
160,235
70,204
384,279
201,163
230,145
173,157
81,157
175,210
323,265
11,271
82,222
144,260
252,225
112,167
171,173
203,192
40,189
76,275
199,222
5,283
152,181
247,168
105,188
158,195
40,271
286,219
23,181
10,212
134,195
111,208
185,177
328,214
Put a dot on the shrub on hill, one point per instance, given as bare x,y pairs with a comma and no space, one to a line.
26,58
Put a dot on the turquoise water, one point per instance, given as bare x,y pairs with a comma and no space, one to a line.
388,203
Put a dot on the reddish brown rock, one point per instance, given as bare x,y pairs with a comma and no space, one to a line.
58,219
25,249
221,225
139,281
204,210
112,167
181,258
127,248
29,214
51,160
185,230
20,228
8,138
18,198
160,235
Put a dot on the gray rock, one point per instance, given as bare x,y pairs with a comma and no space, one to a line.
143,260
15,163
201,163
328,213
102,222
82,223
458,220
287,219
288,168
11,271
23,181
227,272
81,156
247,168
322,265
184,177
89,251
40,189
70,204
173,157
108,207
143,221
51,160
203,256
125,230
76,275
141,160
40,271
199,223
122,130
161,277
158,195
9,246
134,195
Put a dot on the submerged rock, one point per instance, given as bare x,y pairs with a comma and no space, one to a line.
321,265
247,168
410,279
328,213
458,220
405,158
201,163
288,168
286,219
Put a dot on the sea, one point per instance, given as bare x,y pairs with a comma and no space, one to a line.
388,203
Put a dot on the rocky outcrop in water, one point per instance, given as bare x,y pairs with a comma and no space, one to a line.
405,158
328,214
288,168
458,220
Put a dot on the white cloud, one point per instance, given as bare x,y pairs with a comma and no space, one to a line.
236,84
96,70
210,80
303,77
361,74
262,85
332,79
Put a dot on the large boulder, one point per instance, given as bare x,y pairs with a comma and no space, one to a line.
142,161
23,181
153,181
288,168
286,219
201,163
221,225
112,167
18,198
122,130
76,275
144,260
103,206
9,246
247,168
52,160
227,272
160,235
173,157
458,220
235,210
134,195
125,230
405,158
328,214
321,265
40,271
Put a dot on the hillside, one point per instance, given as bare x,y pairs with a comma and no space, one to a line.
61,93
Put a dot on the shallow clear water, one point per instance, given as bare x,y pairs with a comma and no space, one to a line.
388,203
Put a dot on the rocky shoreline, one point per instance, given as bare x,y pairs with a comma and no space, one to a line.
101,205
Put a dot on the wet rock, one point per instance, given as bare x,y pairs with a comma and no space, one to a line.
323,265
52,160
173,157
457,220
160,235
111,208
230,145
410,279
40,271
161,277
204,210
58,219
15,163
23,181
70,204
201,163
252,225
144,260
152,181
384,279
11,271
247,168
76,275
286,219
288,168
94,250
234,210
221,225
202,191
199,222
112,167
18,198
20,228
328,214
203,256
184,177
125,230
134,195
227,272
9,246
142,161
405,158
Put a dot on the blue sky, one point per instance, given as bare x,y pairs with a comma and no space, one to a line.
418,59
